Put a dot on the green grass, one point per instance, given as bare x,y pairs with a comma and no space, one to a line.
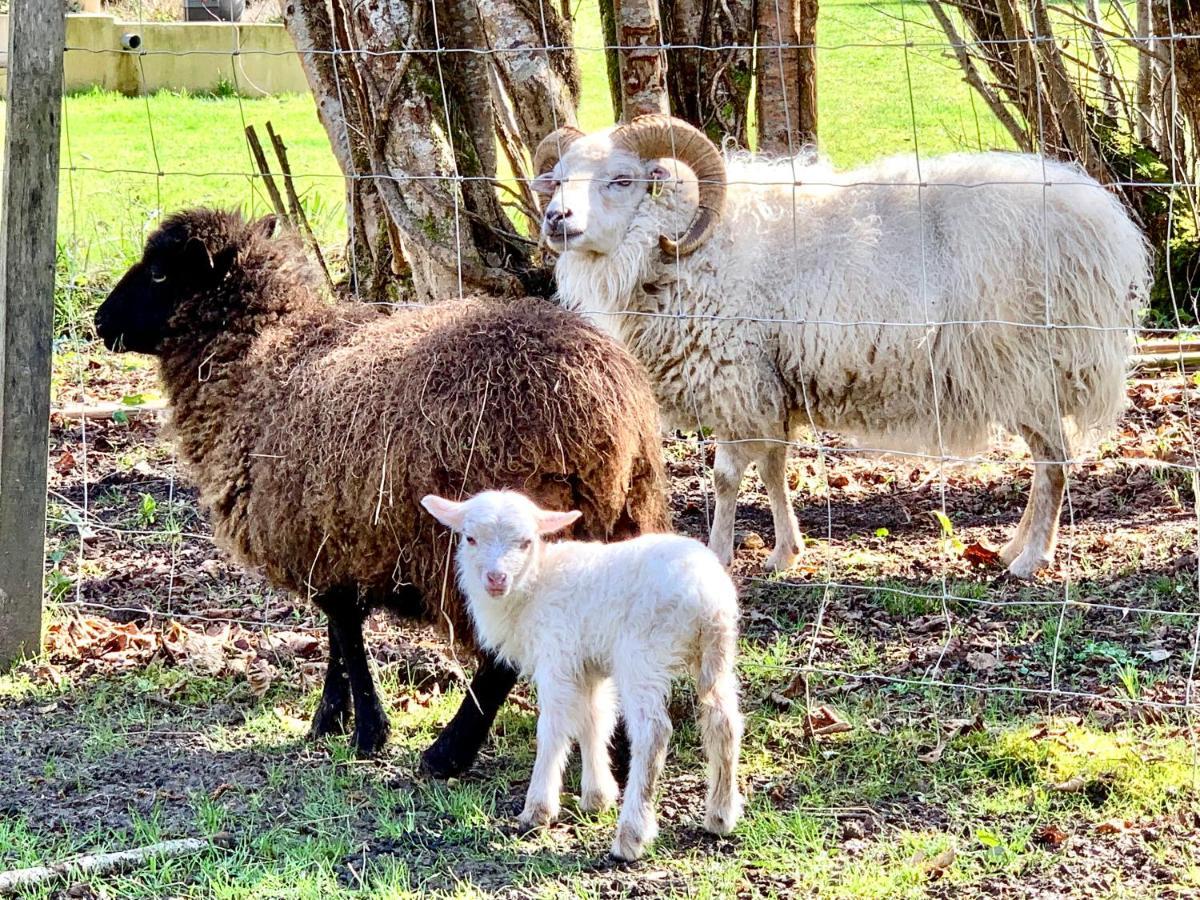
856,815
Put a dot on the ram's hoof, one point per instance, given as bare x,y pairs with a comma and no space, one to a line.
369,739
438,762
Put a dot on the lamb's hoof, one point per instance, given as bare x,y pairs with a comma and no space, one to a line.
781,559
1028,564
724,820
369,738
535,815
329,720
631,842
598,799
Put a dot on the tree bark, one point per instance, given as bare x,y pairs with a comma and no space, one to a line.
413,111
643,64
787,75
711,87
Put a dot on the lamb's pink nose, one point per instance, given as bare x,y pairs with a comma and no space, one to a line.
496,581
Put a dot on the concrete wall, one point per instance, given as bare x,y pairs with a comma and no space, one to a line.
197,56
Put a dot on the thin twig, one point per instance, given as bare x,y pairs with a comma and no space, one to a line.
299,219
260,159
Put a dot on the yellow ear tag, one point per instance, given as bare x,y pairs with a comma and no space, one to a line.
656,188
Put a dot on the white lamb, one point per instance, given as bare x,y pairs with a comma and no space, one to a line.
584,618
911,308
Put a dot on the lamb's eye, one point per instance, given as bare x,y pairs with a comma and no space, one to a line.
526,544
470,540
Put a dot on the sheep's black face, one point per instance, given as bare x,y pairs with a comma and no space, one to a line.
187,256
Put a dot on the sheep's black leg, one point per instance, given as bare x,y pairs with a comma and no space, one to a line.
346,611
457,746
333,712
619,752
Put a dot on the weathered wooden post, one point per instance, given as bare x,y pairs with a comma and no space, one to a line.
27,232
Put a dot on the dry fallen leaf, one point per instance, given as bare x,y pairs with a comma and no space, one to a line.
937,866
825,720
259,677
1050,836
982,661
1073,785
1114,826
66,463
978,554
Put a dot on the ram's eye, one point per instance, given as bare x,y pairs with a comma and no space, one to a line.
470,540
623,181
157,277
526,544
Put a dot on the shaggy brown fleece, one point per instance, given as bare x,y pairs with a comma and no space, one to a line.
313,430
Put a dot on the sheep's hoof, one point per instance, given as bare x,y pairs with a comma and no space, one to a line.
369,738
598,799
444,762
1028,564
329,720
535,815
781,559
631,841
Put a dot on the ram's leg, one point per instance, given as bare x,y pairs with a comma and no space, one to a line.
728,467
457,746
346,612
1032,547
558,702
598,718
772,469
333,712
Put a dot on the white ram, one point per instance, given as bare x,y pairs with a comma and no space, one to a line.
911,307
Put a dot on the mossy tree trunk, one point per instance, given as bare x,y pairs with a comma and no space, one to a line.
413,111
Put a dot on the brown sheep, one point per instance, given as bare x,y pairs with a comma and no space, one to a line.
313,430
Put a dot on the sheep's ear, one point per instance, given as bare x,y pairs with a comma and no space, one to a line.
265,227
448,512
198,254
544,184
549,522
659,172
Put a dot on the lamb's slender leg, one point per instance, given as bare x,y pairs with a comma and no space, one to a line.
772,469
557,702
728,467
1032,547
333,712
721,731
598,718
346,613
457,746
645,708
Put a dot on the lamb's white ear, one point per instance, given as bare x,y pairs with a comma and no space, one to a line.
448,512
549,522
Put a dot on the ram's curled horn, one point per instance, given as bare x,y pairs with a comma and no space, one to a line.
654,136
552,147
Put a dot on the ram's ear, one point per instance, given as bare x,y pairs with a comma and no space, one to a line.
549,522
448,512
545,184
265,227
659,173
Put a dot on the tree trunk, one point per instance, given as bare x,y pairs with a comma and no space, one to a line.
643,64
413,109
787,75
711,87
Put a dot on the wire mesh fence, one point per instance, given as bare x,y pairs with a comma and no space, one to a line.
899,583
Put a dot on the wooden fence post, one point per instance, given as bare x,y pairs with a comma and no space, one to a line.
27,234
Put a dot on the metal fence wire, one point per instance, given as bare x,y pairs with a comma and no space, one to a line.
898,583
